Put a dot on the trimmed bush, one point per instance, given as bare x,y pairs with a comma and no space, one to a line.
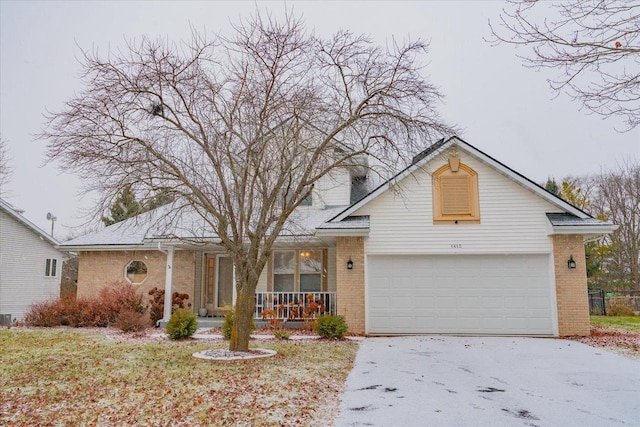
331,326
227,326
131,321
100,311
156,303
281,334
183,324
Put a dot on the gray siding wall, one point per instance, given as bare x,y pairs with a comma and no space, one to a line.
23,255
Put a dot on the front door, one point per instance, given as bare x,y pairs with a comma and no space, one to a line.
218,285
224,281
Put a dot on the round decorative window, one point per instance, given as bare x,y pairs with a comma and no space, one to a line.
136,272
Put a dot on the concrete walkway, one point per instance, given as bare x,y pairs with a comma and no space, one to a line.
489,381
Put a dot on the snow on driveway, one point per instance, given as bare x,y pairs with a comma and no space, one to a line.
489,381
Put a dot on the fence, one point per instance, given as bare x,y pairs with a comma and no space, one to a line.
600,300
597,303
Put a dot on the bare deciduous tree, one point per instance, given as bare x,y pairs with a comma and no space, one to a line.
240,128
616,196
594,44
5,168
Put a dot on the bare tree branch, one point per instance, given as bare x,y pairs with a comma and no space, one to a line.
594,45
240,128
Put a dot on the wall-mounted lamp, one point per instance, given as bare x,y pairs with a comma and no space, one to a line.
571,263
349,264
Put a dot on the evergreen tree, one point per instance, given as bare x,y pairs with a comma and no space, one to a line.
125,206
552,186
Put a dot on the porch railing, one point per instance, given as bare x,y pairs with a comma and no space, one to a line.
294,305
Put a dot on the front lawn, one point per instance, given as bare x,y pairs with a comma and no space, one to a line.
53,377
629,323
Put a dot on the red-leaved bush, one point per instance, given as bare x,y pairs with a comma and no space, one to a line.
156,303
103,310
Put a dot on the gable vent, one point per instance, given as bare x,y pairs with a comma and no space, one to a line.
455,195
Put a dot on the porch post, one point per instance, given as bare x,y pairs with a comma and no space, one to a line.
167,285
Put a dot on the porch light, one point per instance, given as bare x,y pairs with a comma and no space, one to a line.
571,263
349,264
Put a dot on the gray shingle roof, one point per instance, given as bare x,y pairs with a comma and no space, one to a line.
159,224
566,219
352,222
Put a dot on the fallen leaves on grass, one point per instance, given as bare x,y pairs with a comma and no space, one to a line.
83,378
622,341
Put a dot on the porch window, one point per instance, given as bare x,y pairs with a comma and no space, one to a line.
310,271
50,267
284,268
298,270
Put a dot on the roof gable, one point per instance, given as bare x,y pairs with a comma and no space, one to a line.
423,158
13,212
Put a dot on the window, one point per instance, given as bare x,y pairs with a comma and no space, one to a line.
359,188
310,271
455,195
50,267
298,271
284,268
136,272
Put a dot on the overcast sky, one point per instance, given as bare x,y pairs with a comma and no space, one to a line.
504,109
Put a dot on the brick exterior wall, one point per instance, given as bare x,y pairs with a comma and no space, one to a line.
571,285
97,269
350,283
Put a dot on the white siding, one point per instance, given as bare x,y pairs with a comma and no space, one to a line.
262,282
512,218
23,254
333,189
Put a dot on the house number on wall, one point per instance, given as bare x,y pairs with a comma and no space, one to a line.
456,246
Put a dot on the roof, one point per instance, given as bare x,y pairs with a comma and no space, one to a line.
565,223
434,150
568,220
146,229
14,213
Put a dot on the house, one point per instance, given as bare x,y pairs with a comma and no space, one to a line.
456,243
30,264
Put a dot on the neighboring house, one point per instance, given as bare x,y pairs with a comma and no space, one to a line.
456,243
30,264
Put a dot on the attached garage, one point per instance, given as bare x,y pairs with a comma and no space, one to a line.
460,294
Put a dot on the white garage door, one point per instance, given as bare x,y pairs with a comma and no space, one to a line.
470,294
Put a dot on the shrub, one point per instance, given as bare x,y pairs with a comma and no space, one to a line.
227,326
45,314
101,311
281,334
619,307
183,324
156,303
331,326
131,321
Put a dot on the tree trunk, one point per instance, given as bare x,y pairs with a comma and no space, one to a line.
243,316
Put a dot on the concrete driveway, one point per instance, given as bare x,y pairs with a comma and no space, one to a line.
489,381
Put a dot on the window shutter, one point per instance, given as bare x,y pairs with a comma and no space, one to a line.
455,195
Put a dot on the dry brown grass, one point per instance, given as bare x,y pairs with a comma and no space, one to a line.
54,377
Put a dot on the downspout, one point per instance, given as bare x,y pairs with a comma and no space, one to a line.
167,282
